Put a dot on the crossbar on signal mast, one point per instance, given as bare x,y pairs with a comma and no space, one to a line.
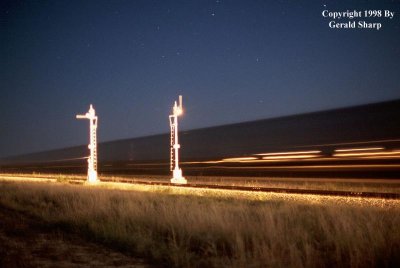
92,160
177,177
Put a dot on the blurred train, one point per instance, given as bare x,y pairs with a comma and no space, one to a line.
361,141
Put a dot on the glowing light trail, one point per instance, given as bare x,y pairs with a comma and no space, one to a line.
291,156
381,157
238,159
359,149
389,166
290,153
367,154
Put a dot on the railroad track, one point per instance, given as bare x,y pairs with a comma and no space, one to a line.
361,194
265,189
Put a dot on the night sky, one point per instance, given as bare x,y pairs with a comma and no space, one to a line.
232,61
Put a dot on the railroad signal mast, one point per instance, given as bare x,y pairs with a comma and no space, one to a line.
92,160
174,145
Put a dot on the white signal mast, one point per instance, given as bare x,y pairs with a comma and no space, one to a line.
92,160
174,165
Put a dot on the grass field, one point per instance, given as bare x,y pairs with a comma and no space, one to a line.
214,228
335,184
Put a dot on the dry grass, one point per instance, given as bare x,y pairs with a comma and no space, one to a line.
335,184
208,228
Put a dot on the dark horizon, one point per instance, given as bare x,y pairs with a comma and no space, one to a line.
349,109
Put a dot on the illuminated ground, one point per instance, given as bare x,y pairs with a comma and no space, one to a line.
261,196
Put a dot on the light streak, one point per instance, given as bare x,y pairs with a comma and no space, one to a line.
291,156
264,160
238,159
381,157
359,149
202,162
367,154
290,153
391,166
